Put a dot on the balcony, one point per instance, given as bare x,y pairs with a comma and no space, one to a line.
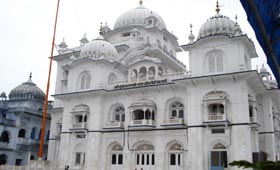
174,122
216,119
4,145
8,122
79,126
254,123
114,125
24,141
142,123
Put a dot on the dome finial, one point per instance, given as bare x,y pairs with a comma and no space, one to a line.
236,23
191,27
141,2
30,75
217,7
100,29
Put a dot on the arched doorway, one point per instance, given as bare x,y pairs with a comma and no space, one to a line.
218,157
145,157
3,159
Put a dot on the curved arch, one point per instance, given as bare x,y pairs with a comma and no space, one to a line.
112,78
21,133
117,112
215,60
79,151
115,146
142,73
5,136
151,73
33,133
3,159
143,145
84,80
212,144
174,142
168,103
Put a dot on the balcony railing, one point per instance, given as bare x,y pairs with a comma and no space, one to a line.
216,117
143,122
114,124
79,126
4,145
8,122
174,121
24,141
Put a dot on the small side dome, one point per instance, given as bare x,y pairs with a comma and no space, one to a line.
27,90
99,49
139,16
217,25
263,69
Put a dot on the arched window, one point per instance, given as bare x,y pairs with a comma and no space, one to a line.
218,157
116,157
48,135
85,80
216,108
142,74
32,157
80,155
151,73
175,157
177,110
33,133
215,62
119,114
112,78
21,133
145,157
160,72
5,137
3,159
133,75
39,135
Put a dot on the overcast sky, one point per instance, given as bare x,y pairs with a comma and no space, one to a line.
27,27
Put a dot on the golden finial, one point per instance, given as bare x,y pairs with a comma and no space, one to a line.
141,2
217,6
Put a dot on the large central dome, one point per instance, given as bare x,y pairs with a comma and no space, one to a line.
138,16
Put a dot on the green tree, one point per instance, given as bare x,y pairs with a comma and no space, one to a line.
263,165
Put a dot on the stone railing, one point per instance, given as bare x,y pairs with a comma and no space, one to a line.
114,124
79,125
143,122
8,122
174,121
216,117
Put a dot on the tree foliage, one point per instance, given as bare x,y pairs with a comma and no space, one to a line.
263,165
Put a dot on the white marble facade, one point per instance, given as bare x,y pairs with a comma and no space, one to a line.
124,101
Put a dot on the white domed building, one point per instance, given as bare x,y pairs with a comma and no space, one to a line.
21,114
125,102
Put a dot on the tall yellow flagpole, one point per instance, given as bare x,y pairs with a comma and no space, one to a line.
47,90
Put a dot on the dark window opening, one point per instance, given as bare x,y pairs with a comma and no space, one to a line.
172,159
21,133
18,162
114,159
120,160
218,131
5,137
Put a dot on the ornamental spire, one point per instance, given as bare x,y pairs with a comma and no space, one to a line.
236,23
217,7
100,29
141,2
30,75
